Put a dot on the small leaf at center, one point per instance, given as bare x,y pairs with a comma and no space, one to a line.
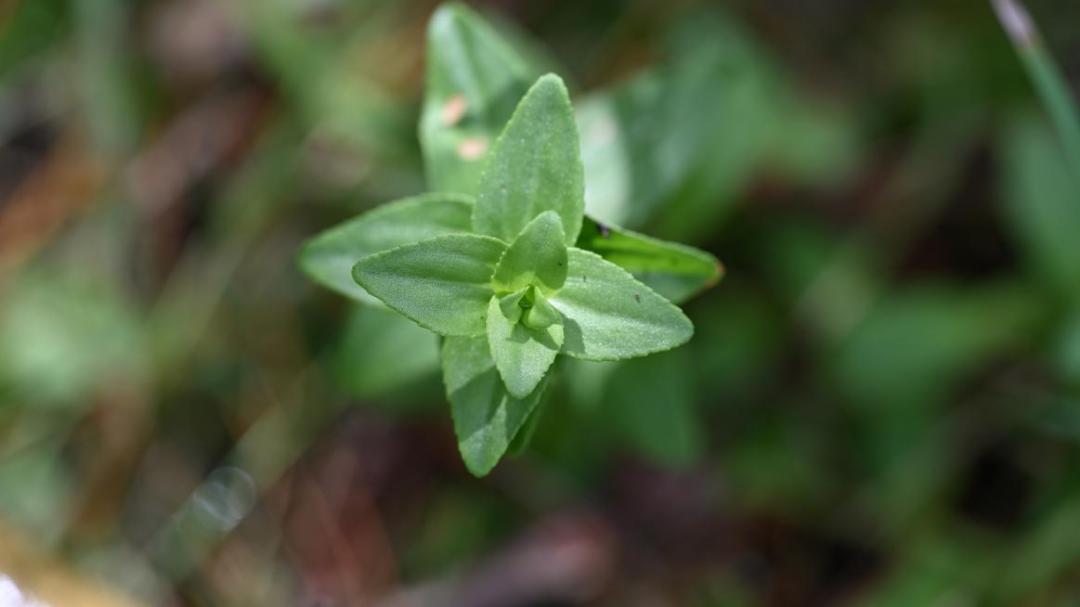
511,305
536,257
541,314
522,354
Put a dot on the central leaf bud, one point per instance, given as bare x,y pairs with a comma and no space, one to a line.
536,312
536,258
529,308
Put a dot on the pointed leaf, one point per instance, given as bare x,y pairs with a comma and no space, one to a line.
522,354
608,315
1040,196
676,271
665,135
329,257
486,417
537,255
443,283
474,80
535,166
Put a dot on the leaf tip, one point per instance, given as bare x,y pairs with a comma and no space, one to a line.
718,274
358,273
552,83
519,390
548,221
302,258
445,15
479,468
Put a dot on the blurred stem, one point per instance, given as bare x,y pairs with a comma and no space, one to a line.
1049,81
104,65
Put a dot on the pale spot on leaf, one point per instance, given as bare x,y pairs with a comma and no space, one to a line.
472,148
454,109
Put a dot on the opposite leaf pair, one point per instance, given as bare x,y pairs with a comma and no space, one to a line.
515,283
500,278
469,285
532,298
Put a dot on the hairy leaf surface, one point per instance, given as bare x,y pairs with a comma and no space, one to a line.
486,416
609,315
329,257
535,166
676,271
443,283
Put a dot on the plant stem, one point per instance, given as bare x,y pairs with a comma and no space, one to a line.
1047,77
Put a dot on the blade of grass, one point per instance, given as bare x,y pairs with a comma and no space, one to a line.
1048,79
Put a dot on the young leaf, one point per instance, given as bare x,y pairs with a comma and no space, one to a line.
474,80
442,283
537,255
486,416
608,315
328,258
541,314
535,166
676,271
522,354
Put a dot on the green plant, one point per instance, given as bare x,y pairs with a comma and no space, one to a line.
505,266
1049,82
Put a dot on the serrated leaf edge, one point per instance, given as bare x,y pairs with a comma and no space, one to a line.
404,246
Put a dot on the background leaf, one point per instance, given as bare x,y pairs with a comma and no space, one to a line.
31,28
678,272
63,338
486,417
654,409
608,315
535,166
329,257
443,283
673,148
669,136
381,351
474,81
1042,200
